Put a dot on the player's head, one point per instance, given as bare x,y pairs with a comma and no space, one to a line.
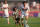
15,9
24,3
5,2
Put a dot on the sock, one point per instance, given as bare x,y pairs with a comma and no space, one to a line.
8,20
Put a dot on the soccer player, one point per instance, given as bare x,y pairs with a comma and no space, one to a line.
25,10
5,10
16,17
37,6
1,7
34,4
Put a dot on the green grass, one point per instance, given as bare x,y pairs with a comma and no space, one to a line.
32,22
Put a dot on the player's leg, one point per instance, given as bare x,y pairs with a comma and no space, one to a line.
22,19
26,15
8,20
19,21
7,16
1,16
14,18
16,21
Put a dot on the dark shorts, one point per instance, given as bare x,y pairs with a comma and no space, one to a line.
17,19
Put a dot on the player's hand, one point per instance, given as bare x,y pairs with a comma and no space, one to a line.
24,8
3,11
14,18
5,7
28,10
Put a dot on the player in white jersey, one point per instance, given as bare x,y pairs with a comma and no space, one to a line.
5,9
25,10
37,6
34,4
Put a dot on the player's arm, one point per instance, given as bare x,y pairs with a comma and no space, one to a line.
22,7
14,16
2,9
6,7
28,9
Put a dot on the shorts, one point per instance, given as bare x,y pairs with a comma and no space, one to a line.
23,14
6,13
17,19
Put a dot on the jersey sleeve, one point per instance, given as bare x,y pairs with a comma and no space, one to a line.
7,5
22,6
13,14
2,6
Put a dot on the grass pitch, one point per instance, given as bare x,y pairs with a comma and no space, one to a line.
32,22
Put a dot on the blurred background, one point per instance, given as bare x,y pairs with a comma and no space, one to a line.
33,4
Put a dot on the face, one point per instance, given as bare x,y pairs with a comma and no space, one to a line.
5,2
24,4
15,9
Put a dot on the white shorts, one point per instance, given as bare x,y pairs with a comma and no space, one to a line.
6,13
24,14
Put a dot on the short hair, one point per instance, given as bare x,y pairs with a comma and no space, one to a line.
24,2
5,0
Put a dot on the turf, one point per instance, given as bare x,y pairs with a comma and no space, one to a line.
32,22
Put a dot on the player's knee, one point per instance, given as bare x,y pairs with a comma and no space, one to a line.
19,21
14,18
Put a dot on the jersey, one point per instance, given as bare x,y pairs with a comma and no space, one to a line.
5,6
15,14
26,8
6,9
34,3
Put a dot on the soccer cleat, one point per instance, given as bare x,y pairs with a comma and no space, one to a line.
8,23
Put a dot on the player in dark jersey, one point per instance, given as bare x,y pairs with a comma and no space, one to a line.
16,16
